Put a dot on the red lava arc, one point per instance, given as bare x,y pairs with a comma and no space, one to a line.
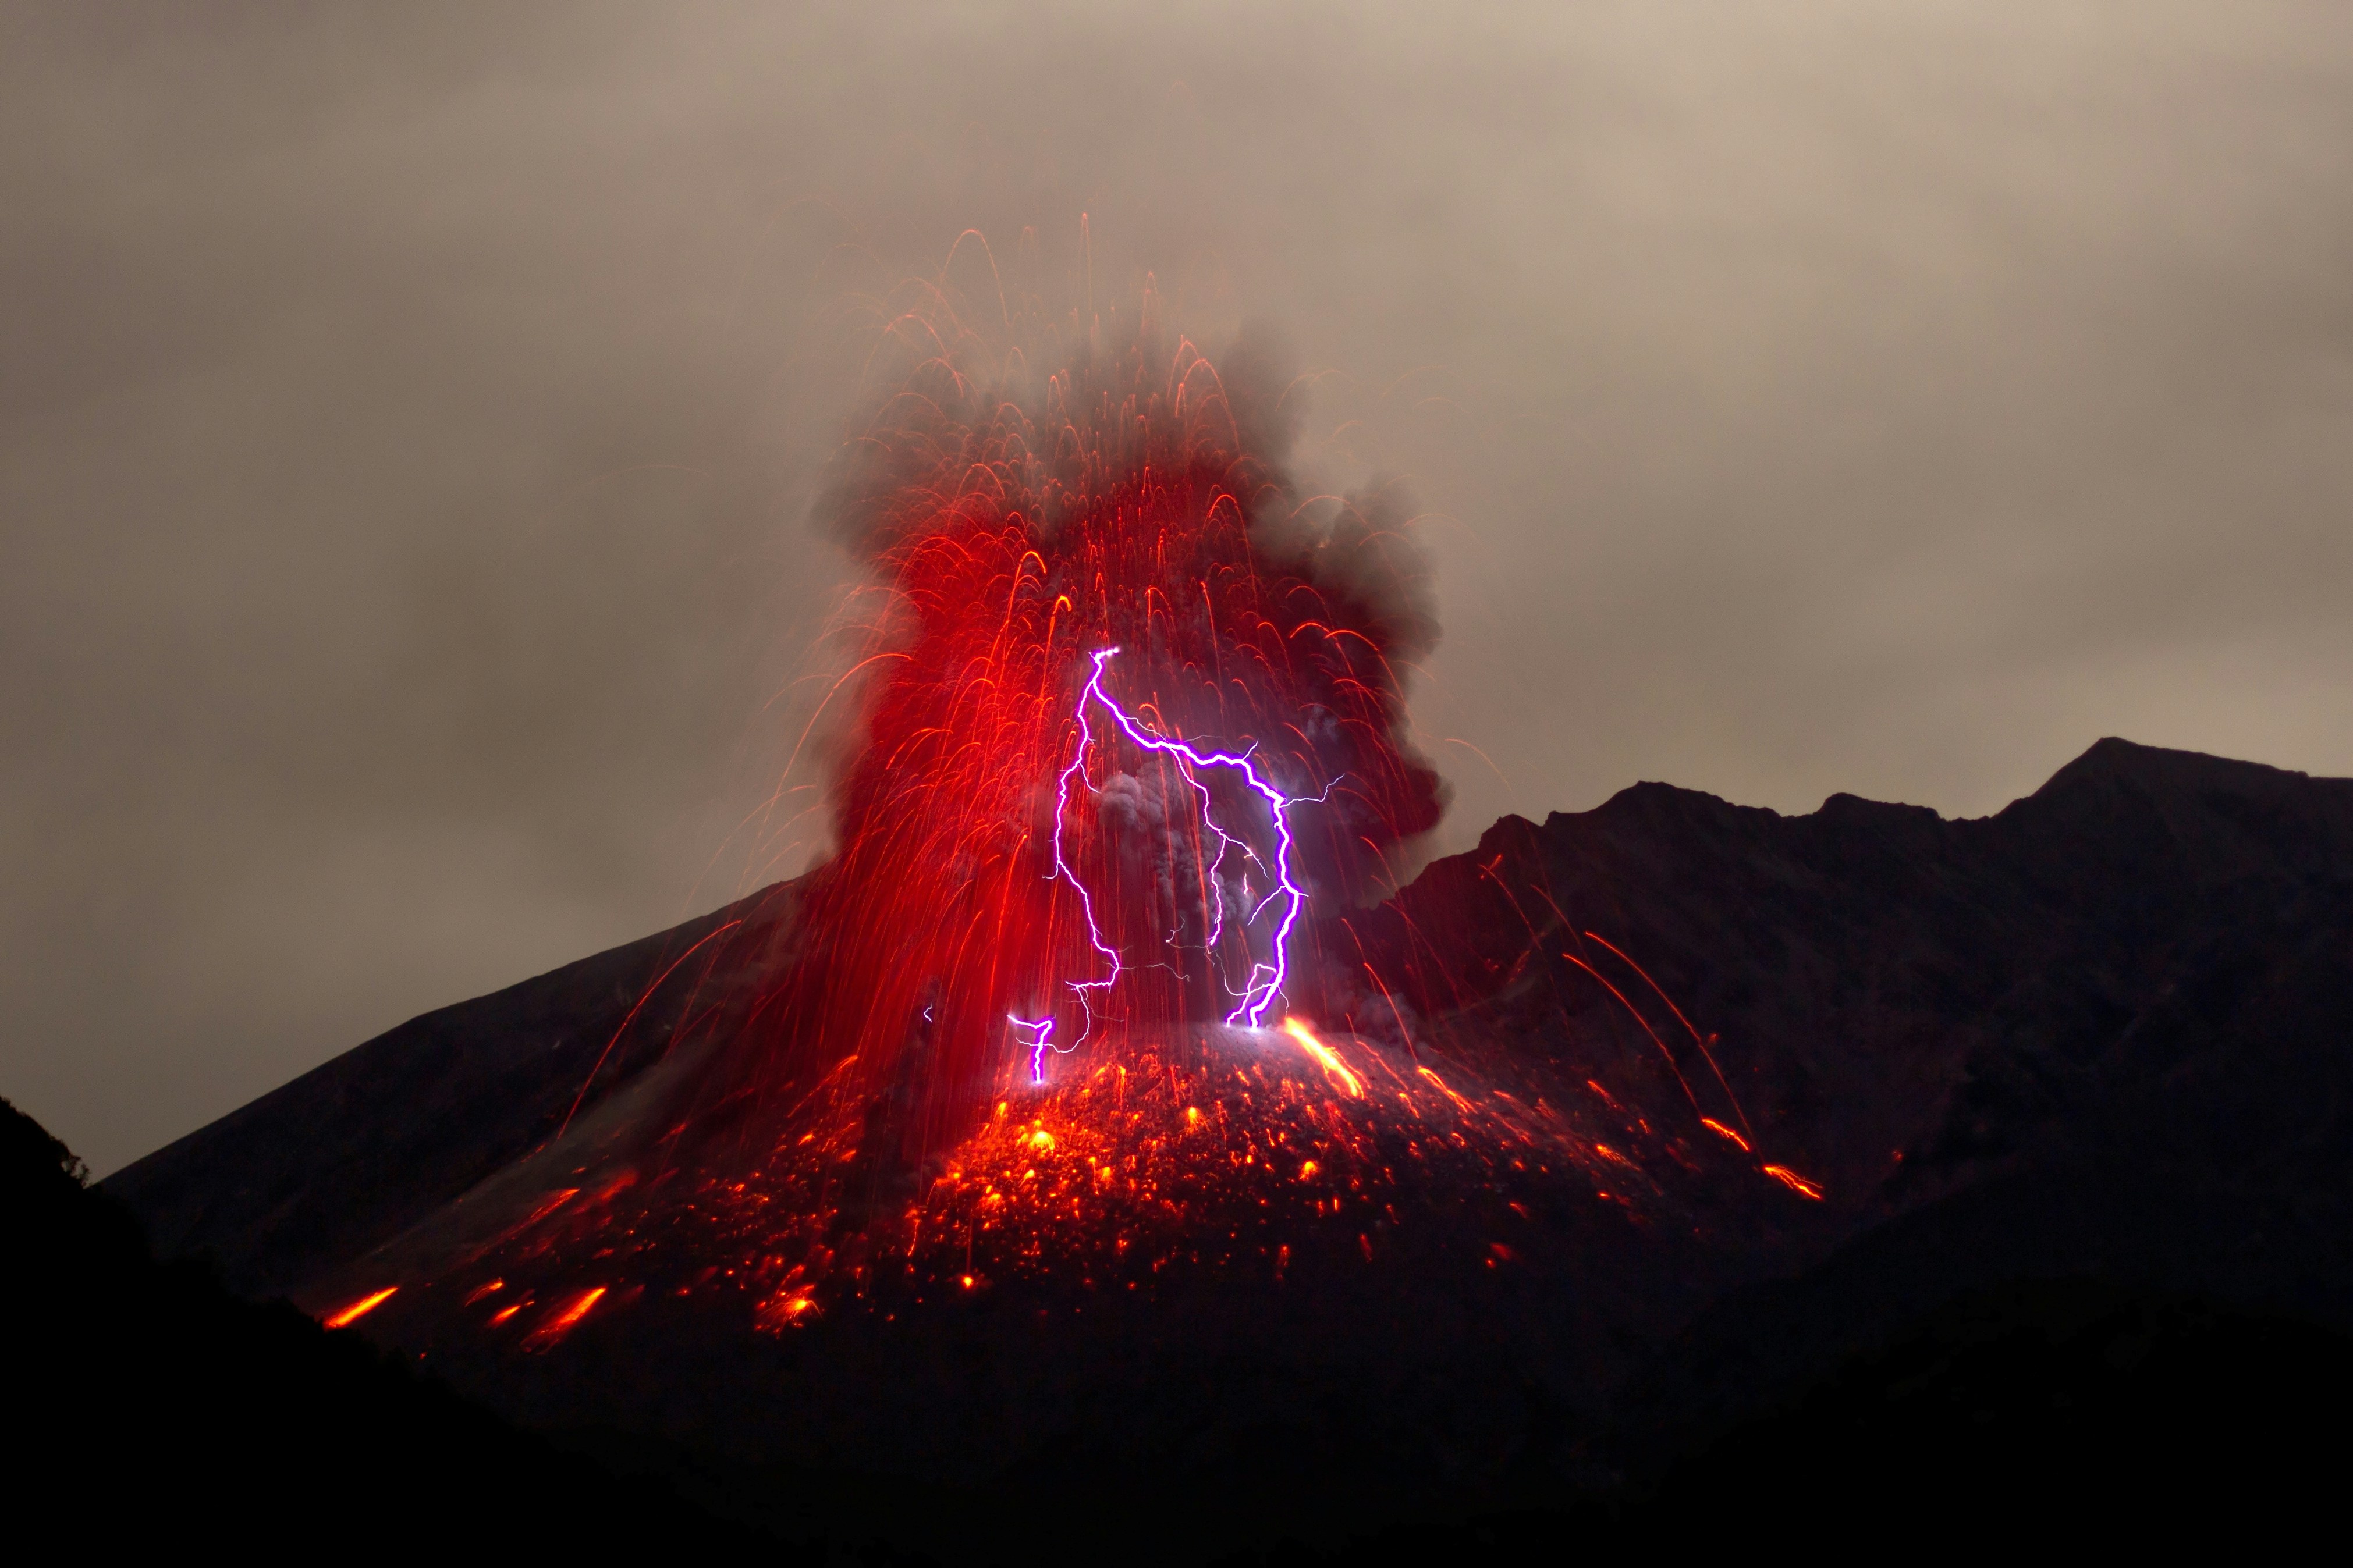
1129,717
361,1308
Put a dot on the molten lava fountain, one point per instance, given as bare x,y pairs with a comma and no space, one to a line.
1130,710
1076,1003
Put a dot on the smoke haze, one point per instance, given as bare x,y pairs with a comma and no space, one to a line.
411,416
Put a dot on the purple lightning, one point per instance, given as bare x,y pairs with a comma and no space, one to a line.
1266,980
1035,1043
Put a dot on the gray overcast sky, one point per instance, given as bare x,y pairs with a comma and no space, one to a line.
407,415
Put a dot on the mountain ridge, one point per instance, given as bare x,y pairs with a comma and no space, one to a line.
258,1173
2101,1032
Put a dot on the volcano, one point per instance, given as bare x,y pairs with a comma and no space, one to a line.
1596,1137
1104,1129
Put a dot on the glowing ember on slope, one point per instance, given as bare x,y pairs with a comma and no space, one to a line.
361,1308
1334,1067
562,1322
1231,1150
1720,1130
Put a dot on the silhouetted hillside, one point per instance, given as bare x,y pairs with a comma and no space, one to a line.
2073,1404
2034,1415
152,1409
355,1151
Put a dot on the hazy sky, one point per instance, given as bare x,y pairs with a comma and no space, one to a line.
407,415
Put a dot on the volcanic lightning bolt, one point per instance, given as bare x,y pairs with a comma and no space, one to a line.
1265,981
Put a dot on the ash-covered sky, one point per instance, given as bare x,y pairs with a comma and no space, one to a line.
408,415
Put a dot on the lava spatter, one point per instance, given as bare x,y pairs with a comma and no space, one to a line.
1226,1153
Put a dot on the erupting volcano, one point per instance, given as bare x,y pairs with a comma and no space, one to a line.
1121,1118
1129,704
805,1189
1096,986
1121,1096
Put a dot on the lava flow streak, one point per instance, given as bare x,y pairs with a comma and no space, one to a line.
1266,978
361,1308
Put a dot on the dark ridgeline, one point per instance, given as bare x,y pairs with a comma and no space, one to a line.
2072,1077
153,1410
2109,1029
349,1154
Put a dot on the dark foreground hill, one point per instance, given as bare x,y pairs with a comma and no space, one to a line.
150,1410
2080,1067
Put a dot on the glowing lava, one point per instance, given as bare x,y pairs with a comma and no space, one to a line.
1334,1068
361,1308
855,1105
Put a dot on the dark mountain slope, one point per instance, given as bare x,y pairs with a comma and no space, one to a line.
2104,1034
355,1151
2039,1411
2153,939
2144,963
149,1409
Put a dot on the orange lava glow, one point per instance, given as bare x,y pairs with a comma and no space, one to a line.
1794,1181
1719,1128
361,1308
557,1326
790,1309
1232,1150
1348,1082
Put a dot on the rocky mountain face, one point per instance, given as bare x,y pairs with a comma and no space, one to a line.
354,1151
2141,969
2108,1031
1858,1063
